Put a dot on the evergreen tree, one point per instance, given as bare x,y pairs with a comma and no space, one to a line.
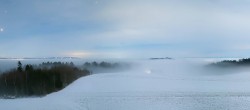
19,66
28,68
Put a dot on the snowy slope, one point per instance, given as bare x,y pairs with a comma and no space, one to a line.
150,85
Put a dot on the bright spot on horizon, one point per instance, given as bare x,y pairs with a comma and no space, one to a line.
78,54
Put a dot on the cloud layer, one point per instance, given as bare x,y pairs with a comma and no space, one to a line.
131,28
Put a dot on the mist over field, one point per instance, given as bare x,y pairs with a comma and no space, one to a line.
150,84
124,55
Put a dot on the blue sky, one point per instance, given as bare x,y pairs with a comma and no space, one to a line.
124,28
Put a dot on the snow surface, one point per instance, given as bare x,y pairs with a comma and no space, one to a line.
149,85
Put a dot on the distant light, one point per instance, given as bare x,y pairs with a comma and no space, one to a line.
148,71
1,29
96,2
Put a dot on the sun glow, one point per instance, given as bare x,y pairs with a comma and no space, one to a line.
78,54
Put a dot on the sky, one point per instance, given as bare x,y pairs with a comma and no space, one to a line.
125,28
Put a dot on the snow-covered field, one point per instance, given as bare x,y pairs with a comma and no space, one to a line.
149,85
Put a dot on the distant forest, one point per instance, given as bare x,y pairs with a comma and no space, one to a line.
232,63
43,79
104,67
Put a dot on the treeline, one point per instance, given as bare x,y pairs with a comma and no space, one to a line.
232,63
101,64
105,67
38,80
52,64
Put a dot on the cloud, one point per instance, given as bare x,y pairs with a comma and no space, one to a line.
181,23
123,28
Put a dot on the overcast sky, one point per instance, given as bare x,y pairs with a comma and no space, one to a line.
125,28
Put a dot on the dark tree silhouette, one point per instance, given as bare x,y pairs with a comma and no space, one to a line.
28,68
38,80
231,63
94,63
19,66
